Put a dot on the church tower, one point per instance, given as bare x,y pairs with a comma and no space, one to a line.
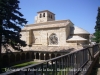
44,16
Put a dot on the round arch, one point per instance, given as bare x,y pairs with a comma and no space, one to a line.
42,56
5,60
58,55
32,55
47,56
27,55
12,58
23,56
18,57
37,55
52,55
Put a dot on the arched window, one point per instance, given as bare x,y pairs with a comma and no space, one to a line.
43,14
40,15
53,40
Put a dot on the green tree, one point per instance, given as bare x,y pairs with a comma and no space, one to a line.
11,21
97,28
97,36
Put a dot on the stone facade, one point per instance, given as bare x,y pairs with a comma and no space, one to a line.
44,16
49,32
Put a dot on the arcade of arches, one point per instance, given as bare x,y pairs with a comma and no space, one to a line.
20,57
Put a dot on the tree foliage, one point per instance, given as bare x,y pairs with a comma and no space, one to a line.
97,28
97,36
11,21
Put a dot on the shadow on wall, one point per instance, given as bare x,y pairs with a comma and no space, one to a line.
67,51
9,48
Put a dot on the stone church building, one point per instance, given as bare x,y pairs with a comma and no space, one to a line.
47,38
49,34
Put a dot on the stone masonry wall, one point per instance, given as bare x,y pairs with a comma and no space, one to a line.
42,36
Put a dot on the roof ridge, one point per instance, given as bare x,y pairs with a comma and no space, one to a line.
49,22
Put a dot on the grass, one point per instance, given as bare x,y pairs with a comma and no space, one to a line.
20,65
24,64
51,68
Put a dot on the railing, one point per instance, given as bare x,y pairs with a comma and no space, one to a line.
95,49
68,64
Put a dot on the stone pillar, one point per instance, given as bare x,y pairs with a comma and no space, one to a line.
50,56
39,56
35,56
44,56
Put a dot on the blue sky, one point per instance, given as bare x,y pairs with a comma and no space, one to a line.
82,13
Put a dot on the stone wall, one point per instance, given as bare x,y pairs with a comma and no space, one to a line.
39,36
27,36
42,36
45,18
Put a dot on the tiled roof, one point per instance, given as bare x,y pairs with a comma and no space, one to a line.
49,48
45,11
49,24
76,38
78,30
39,48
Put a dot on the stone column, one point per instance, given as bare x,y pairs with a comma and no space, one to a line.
44,56
39,56
50,56
35,56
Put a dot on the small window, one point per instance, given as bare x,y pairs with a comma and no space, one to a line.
40,15
43,14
